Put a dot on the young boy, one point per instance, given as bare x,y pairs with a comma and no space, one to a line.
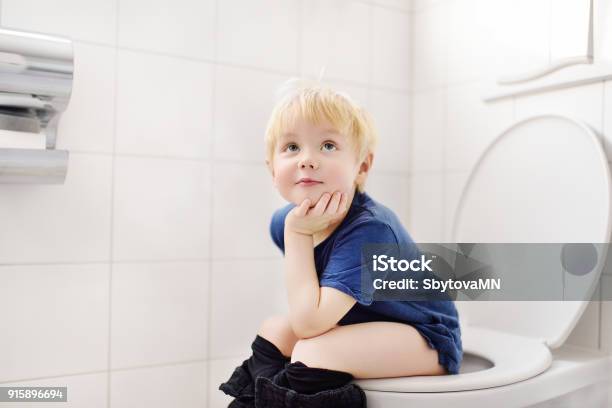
319,149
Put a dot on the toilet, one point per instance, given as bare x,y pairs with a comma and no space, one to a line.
543,179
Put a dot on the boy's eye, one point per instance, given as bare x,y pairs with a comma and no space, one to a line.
329,145
289,146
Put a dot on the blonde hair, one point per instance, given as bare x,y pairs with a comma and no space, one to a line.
315,103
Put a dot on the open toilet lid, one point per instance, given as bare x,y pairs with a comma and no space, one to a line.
544,179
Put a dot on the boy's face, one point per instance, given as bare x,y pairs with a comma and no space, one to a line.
315,152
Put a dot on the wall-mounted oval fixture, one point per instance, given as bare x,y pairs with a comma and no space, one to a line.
589,23
36,73
571,40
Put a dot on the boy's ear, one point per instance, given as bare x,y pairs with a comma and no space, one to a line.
365,166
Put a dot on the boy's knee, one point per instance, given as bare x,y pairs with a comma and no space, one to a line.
305,350
278,331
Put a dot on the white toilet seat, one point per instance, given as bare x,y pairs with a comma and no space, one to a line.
572,369
514,358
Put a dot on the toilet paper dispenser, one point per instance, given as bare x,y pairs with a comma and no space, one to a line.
36,72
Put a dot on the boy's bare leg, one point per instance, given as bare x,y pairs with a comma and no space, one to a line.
370,350
277,330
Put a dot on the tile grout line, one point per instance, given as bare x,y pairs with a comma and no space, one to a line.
549,31
370,53
396,9
298,46
112,210
445,138
411,143
411,155
103,371
211,178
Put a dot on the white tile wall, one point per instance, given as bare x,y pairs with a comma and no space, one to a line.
176,27
472,125
454,184
244,294
391,37
392,190
183,122
391,115
427,207
259,33
55,319
419,5
180,385
59,223
403,5
155,216
358,93
428,130
244,200
132,265
243,101
470,29
87,124
159,313
429,46
336,35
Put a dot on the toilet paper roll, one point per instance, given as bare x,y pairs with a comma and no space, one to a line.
21,140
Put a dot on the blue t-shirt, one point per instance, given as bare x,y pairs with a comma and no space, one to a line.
338,263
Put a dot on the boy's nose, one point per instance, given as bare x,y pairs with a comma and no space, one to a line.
308,162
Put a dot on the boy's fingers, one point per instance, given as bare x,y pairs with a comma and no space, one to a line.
320,207
332,207
341,207
343,202
303,207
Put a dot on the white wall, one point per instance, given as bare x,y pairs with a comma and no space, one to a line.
458,47
143,279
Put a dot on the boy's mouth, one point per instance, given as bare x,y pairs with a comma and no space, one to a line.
308,182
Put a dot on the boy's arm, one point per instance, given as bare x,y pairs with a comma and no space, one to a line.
313,310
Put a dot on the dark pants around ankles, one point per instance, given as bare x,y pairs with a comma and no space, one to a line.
267,379
266,361
300,386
